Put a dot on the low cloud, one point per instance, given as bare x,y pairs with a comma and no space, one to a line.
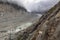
34,5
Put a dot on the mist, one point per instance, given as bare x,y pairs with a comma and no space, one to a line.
34,5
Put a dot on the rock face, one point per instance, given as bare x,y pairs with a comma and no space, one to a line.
47,28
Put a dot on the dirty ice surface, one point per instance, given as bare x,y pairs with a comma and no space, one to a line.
20,28
13,20
34,5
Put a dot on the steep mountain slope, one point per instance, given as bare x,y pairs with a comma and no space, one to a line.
47,28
